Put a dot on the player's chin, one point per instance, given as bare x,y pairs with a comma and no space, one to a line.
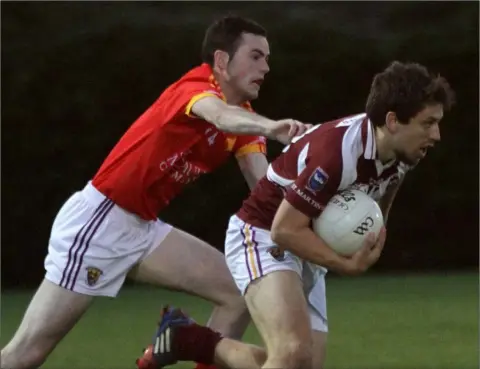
252,94
412,160
252,91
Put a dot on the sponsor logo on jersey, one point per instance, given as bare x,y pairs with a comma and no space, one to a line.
317,180
180,169
93,275
276,253
307,198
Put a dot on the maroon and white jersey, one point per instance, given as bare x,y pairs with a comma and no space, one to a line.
329,157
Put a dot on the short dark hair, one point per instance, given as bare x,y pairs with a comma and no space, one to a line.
225,34
406,88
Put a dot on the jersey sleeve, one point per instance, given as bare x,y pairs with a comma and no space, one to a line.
320,179
178,100
249,144
196,95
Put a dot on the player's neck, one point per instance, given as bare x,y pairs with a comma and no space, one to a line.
385,152
230,95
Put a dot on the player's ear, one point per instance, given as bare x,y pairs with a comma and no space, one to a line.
220,60
391,122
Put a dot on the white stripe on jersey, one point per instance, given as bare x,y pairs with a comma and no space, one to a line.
275,178
371,146
301,165
302,159
349,121
352,149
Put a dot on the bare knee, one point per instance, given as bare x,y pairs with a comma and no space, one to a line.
299,354
25,354
51,314
230,300
234,302
290,353
230,317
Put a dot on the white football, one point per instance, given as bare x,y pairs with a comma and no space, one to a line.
347,219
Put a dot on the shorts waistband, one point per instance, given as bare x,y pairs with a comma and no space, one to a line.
95,198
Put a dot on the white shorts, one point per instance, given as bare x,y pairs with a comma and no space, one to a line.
250,254
94,243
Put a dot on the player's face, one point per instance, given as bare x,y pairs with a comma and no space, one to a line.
249,65
422,132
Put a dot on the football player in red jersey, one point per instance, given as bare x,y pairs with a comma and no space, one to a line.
276,259
110,228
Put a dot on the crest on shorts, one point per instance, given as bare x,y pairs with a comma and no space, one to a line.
276,253
317,180
93,275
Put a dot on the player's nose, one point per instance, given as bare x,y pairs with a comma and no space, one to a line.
264,67
435,133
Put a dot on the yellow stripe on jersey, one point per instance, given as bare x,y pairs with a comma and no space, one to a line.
251,148
193,100
230,142
250,250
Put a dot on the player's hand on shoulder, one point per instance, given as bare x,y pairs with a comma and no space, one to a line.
367,255
284,130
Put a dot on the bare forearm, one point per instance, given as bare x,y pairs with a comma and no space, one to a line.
240,121
251,179
232,119
307,246
254,167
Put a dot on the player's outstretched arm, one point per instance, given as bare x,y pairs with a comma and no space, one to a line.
254,167
291,231
234,119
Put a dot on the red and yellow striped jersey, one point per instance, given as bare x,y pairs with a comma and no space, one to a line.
168,147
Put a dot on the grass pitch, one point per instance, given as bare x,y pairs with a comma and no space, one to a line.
375,322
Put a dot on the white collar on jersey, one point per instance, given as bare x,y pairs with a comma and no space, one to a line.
371,150
370,145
